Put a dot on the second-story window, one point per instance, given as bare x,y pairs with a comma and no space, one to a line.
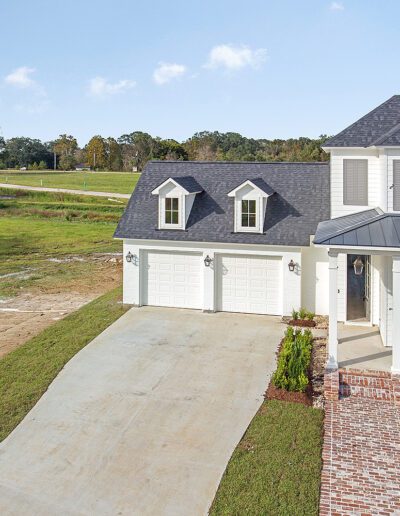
355,182
249,211
172,210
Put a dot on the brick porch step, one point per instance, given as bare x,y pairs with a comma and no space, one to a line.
377,385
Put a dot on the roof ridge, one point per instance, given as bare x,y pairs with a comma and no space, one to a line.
202,162
391,131
326,144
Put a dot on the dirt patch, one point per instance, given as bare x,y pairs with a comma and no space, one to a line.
33,310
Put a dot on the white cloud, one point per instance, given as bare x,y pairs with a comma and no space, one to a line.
336,6
235,57
21,77
100,87
165,72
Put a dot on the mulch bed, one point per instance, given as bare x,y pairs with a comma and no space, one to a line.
314,393
304,323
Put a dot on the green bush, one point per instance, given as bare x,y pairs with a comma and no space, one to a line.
294,361
302,313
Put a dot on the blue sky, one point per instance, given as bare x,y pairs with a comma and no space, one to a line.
273,69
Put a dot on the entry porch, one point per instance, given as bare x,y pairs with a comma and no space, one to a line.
364,290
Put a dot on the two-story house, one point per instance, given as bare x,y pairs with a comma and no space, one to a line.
267,238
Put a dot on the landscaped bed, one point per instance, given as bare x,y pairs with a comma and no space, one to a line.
276,467
26,373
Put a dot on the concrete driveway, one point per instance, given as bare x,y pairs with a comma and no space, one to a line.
144,419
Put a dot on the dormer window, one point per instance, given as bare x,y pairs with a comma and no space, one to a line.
249,213
250,203
175,200
171,210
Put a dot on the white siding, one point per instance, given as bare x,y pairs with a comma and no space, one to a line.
342,287
374,180
315,280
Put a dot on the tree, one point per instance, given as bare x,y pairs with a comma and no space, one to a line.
170,150
22,152
96,156
113,154
137,149
65,147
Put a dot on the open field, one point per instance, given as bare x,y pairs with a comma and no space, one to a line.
26,373
56,254
276,467
115,182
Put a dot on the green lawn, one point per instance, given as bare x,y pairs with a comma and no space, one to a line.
276,467
115,182
37,227
26,373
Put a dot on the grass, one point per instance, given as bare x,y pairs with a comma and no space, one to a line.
37,227
276,467
115,182
26,373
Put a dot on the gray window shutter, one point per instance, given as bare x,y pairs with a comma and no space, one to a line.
355,182
396,185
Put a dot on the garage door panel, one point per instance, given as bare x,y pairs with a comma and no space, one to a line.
173,279
249,284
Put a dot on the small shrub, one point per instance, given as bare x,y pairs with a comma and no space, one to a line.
310,316
302,313
295,315
293,361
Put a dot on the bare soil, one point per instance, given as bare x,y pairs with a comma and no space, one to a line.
30,312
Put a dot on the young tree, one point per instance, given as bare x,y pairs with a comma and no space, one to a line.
114,154
96,156
65,147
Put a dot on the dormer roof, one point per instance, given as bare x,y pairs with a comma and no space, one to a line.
258,184
187,183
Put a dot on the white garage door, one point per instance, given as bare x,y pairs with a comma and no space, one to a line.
249,284
173,279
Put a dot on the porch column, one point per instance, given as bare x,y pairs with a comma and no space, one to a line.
396,315
333,292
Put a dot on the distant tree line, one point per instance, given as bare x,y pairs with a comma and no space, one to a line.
132,151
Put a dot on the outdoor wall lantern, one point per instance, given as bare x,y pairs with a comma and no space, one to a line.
358,266
291,265
208,261
130,257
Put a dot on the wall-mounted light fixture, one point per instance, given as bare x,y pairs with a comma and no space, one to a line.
291,265
358,266
208,261
131,258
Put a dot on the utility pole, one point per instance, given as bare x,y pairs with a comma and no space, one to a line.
94,160
55,161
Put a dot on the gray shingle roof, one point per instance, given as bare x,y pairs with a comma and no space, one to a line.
301,201
379,127
370,228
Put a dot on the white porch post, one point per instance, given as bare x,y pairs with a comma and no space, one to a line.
396,315
333,291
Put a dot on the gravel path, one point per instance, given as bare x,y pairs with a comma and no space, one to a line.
66,190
